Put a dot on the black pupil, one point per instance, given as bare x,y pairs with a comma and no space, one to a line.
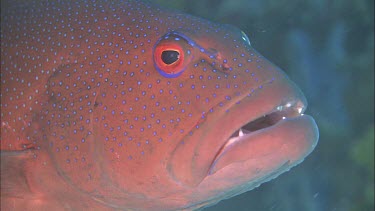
169,57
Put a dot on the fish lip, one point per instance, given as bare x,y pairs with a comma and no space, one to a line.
290,104
293,108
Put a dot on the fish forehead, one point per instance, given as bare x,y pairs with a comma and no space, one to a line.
83,73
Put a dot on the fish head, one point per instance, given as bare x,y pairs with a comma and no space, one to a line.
248,116
163,118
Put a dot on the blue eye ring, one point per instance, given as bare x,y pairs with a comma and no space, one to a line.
175,42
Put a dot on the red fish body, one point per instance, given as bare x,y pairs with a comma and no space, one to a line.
121,105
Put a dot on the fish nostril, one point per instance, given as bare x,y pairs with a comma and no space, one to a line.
226,67
217,61
223,62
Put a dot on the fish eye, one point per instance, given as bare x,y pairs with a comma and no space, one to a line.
170,56
245,38
172,53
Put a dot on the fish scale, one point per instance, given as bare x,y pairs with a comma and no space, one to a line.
84,99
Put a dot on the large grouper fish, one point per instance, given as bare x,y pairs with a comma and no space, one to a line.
121,105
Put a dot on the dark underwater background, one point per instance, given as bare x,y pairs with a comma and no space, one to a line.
327,49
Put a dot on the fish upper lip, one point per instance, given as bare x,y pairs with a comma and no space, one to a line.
293,107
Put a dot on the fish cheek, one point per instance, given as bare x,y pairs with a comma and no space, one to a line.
80,144
68,126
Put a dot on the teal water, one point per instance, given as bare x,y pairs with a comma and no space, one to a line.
327,48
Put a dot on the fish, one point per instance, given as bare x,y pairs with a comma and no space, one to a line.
125,105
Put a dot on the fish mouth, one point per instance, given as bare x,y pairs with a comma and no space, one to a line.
263,130
267,120
290,111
